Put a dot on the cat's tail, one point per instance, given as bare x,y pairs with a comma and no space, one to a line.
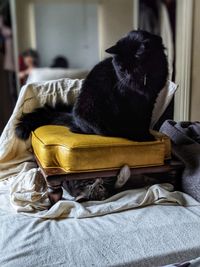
58,115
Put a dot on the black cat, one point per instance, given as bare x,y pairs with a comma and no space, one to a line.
118,95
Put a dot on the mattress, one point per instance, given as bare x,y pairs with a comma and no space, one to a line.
149,236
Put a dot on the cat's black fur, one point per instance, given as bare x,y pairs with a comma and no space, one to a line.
118,95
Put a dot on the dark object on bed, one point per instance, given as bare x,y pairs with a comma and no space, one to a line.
60,62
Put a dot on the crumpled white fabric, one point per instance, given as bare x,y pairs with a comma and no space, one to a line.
22,187
163,100
27,189
130,199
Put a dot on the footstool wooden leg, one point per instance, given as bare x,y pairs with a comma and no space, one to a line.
55,192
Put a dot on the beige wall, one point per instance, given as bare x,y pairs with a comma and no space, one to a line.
195,79
24,15
26,24
115,19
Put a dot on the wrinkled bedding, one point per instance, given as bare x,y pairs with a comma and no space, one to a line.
28,191
154,235
150,236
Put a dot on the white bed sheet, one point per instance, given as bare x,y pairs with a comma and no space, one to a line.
149,236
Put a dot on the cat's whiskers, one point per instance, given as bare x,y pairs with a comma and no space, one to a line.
123,82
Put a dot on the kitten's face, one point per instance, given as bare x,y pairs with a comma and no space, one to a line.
99,188
138,57
93,189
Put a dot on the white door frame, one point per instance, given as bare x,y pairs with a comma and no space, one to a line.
184,24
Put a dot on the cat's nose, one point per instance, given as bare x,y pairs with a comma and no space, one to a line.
98,181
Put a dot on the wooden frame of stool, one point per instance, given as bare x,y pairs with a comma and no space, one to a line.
54,178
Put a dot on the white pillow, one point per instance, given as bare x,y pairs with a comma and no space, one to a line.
47,74
163,100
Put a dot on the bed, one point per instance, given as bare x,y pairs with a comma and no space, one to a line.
150,236
150,226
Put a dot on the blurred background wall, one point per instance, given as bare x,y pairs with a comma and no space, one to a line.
115,20
60,22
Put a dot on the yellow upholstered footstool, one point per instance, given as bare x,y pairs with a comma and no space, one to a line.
63,155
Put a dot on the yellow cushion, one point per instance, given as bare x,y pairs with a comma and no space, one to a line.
62,151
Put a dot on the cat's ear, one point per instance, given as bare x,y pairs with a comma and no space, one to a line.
123,176
113,50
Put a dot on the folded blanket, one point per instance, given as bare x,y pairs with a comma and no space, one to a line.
186,137
27,188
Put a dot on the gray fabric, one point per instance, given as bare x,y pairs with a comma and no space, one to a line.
192,263
146,237
184,136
